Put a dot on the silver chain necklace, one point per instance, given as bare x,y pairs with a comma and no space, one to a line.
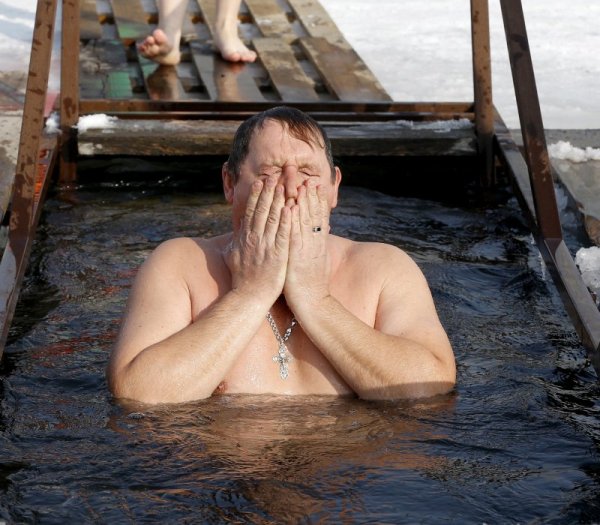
283,356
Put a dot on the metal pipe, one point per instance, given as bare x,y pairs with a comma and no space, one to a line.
530,116
482,88
546,221
22,213
69,89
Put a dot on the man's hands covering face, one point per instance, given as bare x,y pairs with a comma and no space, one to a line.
307,278
277,250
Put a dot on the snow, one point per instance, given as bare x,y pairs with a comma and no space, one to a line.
565,151
96,121
588,260
52,124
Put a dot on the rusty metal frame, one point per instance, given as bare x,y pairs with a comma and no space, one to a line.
535,185
69,89
482,89
35,161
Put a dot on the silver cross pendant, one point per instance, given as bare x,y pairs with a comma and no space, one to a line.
283,358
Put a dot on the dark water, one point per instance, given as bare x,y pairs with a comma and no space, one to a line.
518,442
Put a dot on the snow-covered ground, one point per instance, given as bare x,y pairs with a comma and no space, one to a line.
421,50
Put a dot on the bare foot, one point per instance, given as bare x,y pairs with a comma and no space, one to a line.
231,47
157,47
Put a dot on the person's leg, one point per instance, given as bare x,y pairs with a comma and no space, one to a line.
162,45
226,38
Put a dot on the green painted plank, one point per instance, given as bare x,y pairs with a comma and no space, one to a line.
131,20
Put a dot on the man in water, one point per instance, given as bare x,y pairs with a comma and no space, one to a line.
280,305
162,46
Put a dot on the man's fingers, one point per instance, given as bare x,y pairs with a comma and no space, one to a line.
304,210
282,238
263,206
274,217
314,207
255,192
295,228
323,205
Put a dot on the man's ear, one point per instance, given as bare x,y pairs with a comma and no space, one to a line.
336,187
228,184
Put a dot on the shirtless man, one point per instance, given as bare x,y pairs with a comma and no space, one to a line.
280,305
162,45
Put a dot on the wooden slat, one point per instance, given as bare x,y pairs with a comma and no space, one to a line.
316,21
224,81
118,85
130,19
288,78
162,82
105,67
111,69
90,27
330,110
91,83
271,20
213,137
343,71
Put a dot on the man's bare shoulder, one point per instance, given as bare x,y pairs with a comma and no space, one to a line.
182,249
376,254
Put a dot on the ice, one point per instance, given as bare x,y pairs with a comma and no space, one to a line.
565,151
588,260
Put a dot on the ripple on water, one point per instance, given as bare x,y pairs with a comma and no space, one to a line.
517,441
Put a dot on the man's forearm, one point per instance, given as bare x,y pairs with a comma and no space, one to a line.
374,364
191,363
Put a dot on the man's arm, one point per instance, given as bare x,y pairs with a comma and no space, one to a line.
163,354
406,353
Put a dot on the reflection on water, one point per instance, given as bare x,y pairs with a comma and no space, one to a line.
517,442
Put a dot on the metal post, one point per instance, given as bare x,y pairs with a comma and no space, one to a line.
482,88
576,297
69,90
530,116
22,214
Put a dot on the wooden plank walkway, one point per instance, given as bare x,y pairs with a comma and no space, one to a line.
303,60
302,56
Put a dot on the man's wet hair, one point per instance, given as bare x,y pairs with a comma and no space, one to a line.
297,123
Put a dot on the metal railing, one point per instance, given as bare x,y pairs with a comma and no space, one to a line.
35,160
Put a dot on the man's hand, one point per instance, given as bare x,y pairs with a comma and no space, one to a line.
307,279
258,254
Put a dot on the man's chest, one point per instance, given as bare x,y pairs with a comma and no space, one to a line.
295,367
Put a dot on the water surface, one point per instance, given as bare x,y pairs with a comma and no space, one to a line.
517,442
